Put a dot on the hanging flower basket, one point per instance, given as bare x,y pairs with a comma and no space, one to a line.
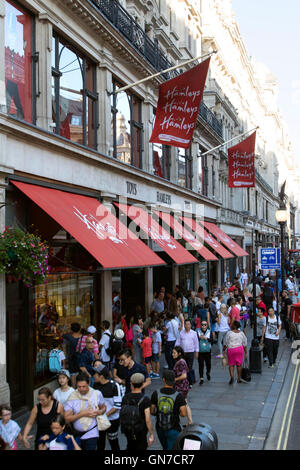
24,256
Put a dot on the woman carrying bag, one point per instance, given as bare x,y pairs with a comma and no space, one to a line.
204,351
235,345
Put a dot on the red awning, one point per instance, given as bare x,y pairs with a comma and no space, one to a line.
160,236
93,226
182,232
203,234
225,239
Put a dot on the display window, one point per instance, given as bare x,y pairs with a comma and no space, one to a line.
18,61
66,298
186,277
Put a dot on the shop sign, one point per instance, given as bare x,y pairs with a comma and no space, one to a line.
164,198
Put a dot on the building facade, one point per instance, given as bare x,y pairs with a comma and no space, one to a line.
64,128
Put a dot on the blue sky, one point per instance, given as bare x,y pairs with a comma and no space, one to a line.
271,33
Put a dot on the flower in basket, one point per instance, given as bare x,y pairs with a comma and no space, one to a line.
23,255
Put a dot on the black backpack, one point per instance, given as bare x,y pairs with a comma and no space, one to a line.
132,424
165,410
109,349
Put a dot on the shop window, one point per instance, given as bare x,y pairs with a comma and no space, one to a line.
185,168
126,127
18,62
74,97
66,298
204,176
161,160
186,278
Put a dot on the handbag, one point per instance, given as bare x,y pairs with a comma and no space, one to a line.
204,346
246,375
103,422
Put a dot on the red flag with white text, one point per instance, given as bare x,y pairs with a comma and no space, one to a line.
241,168
178,107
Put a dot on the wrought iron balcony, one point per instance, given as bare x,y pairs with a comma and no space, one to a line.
136,36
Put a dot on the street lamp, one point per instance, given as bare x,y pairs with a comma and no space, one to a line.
255,359
281,217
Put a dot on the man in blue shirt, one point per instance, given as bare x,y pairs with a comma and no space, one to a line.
158,305
87,358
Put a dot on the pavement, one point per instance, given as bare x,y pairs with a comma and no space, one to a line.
240,414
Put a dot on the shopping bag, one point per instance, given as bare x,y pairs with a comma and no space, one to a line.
246,375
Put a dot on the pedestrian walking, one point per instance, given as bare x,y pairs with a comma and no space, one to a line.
244,279
112,396
137,332
286,304
204,351
270,336
87,358
59,439
223,328
82,409
62,393
172,331
233,313
181,377
235,345
131,367
189,342
90,333
72,340
156,350
260,325
42,414
104,344
10,431
135,416
168,405
146,346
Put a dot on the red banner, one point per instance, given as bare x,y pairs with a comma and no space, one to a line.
178,106
241,170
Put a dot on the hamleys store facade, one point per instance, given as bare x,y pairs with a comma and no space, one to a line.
72,169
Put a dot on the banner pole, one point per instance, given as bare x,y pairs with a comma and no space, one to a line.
160,73
227,142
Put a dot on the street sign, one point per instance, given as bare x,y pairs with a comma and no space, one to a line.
270,258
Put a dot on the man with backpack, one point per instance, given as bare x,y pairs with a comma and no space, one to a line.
135,416
105,344
168,405
270,336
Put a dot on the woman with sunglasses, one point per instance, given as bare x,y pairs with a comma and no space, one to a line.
204,351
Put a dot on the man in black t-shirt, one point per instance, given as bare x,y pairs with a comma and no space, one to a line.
286,304
168,405
136,428
130,368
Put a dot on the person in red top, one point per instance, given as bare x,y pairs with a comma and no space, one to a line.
260,304
234,314
146,346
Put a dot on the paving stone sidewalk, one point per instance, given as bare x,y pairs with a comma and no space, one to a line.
240,414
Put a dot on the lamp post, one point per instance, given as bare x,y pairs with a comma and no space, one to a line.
255,359
281,217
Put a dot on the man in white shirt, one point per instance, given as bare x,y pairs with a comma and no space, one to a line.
104,344
270,335
290,284
172,331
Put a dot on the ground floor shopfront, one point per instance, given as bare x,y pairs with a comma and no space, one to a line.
79,290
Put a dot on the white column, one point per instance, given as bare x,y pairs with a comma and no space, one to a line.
43,73
148,289
104,86
196,276
106,296
4,387
175,276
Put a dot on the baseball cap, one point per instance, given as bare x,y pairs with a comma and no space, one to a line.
91,329
64,372
137,378
119,334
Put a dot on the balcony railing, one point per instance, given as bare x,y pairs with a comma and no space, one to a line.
136,36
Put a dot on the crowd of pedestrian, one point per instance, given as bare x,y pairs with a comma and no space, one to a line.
102,386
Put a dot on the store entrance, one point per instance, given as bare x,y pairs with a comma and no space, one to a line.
162,277
133,291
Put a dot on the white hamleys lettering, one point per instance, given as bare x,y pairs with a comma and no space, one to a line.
100,230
